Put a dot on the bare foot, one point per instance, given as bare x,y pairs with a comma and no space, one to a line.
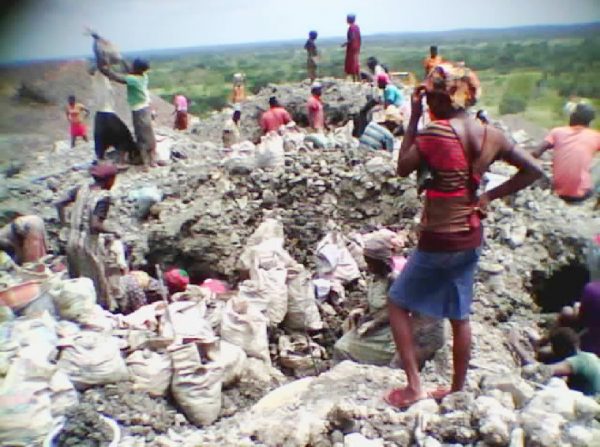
439,393
404,397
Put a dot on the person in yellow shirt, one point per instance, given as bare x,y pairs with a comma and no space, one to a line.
239,89
434,59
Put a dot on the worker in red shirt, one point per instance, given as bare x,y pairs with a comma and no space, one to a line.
314,108
275,117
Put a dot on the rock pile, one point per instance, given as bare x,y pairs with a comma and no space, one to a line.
502,410
198,211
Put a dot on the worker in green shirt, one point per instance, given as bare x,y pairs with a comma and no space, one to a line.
581,368
138,98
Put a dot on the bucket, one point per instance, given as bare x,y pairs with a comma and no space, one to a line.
52,438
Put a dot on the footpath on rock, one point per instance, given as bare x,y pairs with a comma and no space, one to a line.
269,381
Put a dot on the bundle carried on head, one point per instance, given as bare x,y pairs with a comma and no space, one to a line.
457,81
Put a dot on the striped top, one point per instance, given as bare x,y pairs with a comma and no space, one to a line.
449,221
376,137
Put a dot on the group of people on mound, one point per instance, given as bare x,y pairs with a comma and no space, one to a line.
436,283
109,129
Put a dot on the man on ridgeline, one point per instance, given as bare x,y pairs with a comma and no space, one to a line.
434,59
314,109
311,55
574,148
275,117
138,98
352,62
437,280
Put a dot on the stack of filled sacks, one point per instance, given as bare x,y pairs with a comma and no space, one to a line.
279,287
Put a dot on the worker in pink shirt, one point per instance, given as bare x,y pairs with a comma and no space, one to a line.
314,108
574,149
275,117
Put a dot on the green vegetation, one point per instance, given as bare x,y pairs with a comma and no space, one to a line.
532,73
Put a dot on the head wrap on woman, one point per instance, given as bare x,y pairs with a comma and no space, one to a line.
103,171
382,244
176,280
457,81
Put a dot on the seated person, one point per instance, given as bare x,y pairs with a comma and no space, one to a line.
371,341
574,148
379,133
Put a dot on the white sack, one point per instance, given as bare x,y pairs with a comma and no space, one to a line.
73,298
92,358
196,387
231,358
269,153
246,327
303,312
25,405
185,319
335,260
64,395
150,371
272,288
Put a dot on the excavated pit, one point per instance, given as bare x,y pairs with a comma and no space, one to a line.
562,288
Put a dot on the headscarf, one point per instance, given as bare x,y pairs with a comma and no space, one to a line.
382,244
383,77
177,280
351,18
103,171
455,80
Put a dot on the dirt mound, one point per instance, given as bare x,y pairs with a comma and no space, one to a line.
33,96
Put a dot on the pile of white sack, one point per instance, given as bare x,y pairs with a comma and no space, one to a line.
62,342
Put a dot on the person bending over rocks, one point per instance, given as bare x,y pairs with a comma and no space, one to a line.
90,244
583,317
371,342
582,369
24,239
438,278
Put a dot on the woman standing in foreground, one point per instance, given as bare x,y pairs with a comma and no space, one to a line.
438,278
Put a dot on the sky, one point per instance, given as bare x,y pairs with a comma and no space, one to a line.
39,29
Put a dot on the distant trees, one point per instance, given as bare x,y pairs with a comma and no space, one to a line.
517,93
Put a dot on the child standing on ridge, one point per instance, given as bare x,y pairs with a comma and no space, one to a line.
77,126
